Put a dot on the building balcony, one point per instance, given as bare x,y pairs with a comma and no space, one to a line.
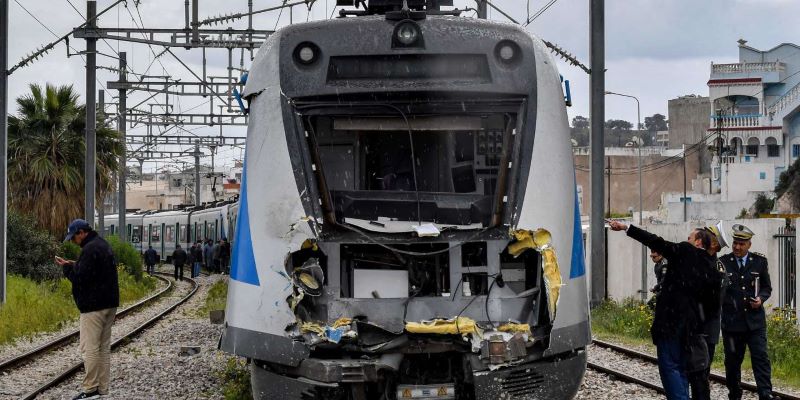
769,72
738,121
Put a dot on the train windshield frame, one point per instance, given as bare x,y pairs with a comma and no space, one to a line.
362,161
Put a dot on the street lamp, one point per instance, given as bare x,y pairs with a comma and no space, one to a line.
641,210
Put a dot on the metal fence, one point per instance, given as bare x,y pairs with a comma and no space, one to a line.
786,281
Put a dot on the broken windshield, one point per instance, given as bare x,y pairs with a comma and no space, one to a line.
441,169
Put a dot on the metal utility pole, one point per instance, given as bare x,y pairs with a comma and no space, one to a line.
197,173
3,142
123,159
641,210
685,202
597,115
101,211
90,167
482,9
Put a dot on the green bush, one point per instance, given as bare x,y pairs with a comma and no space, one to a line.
783,341
126,255
69,250
236,380
30,251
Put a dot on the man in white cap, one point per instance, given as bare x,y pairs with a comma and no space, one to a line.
744,323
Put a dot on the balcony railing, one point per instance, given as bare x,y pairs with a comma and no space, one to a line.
747,67
786,100
737,121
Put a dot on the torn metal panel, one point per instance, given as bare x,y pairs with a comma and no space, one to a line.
541,241
454,326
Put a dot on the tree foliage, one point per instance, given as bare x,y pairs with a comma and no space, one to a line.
30,251
46,151
655,123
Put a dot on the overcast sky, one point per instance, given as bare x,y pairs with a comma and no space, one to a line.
655,49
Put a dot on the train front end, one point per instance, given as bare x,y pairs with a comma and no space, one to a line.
408,225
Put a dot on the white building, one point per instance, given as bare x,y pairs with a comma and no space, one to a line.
754,120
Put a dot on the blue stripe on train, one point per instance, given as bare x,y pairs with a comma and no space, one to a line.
578,267
243,261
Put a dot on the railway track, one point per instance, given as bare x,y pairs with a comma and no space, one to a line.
714,377
63,340
33,355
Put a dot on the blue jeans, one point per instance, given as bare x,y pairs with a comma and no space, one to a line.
196,270
671,367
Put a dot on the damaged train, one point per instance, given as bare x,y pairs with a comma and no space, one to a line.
408,223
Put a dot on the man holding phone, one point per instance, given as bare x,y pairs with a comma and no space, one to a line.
95,289
743,320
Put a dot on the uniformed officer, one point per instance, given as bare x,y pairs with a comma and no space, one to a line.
710,301
743,320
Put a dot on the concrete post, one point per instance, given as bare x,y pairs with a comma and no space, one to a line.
597,115
122,127
90,167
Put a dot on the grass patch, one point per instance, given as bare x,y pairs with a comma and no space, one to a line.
235,379
628,322
46,306
216,299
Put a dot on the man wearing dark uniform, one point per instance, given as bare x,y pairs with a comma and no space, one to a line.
743,319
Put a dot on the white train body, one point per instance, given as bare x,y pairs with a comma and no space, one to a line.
329,191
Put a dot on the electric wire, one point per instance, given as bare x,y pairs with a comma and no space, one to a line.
540,12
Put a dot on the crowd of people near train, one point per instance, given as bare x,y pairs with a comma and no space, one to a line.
700,294
213,256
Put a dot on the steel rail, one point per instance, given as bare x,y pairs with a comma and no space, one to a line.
66,338
625,377
120,341
713,376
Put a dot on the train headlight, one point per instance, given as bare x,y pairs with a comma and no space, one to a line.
508,52
306,53
407,34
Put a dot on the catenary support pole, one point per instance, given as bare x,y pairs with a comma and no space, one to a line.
90,163
101,209
122,127
197,173
482,9
195,21
3,143
685,200
597,115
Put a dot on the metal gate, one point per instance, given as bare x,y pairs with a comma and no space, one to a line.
786,282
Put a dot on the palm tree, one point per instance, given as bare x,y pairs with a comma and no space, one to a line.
46,156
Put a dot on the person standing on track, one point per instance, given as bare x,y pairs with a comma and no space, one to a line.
208,255
150,259
710,303
197,254
179,258
224,255
95,288
676,315
744,323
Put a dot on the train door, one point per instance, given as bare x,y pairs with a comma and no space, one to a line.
128,232
160,230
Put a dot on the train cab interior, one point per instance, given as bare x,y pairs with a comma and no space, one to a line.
454,178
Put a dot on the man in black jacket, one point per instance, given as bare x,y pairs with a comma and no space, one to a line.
150,259
95,289
743,320
179,258
677,316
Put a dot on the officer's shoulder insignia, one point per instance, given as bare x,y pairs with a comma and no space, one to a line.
720,266
758,254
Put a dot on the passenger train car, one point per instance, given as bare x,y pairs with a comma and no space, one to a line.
408,222
164,229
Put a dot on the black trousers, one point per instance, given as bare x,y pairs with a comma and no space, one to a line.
735,344
178,272
698,381
151,268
